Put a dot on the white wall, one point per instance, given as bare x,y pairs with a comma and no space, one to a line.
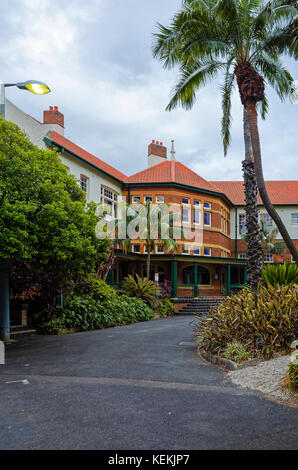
95,178
284,213
33,129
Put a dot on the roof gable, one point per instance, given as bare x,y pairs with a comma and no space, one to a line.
171,171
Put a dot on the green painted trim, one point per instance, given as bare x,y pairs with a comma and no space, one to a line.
174,278
229,281
182,258
51,142
179,185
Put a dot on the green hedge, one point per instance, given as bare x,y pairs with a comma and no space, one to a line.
95,305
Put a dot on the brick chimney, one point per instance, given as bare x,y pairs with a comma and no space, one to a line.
157,153
53,116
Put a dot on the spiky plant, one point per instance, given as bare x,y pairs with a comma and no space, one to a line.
142,288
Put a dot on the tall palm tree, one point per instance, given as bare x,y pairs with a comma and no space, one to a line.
243,39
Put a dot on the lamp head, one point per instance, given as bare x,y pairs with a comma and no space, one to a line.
36,87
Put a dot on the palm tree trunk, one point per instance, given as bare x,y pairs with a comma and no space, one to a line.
148,260
253,236
255,140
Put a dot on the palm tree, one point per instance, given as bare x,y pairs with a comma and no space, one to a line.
243,39
145,214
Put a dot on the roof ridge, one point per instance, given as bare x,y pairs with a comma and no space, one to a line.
147,169
195,173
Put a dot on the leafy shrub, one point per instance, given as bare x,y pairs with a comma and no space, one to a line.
236,352
97,308
275,275
291,379
141,288
265,322
166,308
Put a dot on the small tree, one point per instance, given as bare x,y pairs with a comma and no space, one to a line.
44,219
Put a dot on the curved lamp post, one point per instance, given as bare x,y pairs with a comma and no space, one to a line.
34,86
37,88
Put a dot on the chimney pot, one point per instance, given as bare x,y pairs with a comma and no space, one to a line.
157,153
53,116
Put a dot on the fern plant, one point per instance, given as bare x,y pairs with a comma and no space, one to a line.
278,275
141,288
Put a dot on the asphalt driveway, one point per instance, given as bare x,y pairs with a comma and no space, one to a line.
140,386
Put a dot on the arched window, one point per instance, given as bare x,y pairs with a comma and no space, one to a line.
204,277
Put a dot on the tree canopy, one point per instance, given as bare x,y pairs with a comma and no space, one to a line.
44,218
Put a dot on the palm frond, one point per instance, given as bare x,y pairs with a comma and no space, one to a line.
227,90
191,79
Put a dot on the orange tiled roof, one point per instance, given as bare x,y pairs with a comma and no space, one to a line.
279,192
171,171
88,157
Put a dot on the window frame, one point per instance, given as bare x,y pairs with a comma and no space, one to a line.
242,225
210,215
184,250
159,202
208,248
86,182
108,194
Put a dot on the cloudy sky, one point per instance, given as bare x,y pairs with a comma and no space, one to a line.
96,57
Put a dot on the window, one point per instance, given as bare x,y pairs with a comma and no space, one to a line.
242,223
207,251
136,199
159,199
185,200
196,202
294,219
196,216
242,255
196,251
185,215
188,275
84,183
110,199
267,220
159,250
207,219
186,250
268,258
136,248
207,205
148,199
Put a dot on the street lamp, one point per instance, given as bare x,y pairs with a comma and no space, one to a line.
38,88
34,86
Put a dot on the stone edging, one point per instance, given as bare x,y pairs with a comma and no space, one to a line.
227,363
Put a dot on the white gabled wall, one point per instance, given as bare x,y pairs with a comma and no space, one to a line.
96,179
35,130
